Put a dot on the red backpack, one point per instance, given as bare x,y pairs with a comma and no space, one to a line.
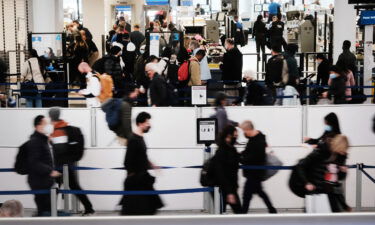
184,72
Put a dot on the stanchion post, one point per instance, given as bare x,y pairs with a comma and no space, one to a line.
54,202
74,200
217,200
358,190
206,196
308,92
66,187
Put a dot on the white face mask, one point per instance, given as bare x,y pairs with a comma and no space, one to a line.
48,129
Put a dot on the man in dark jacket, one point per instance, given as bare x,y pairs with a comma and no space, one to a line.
59,139
158,86
232,67
41,172
323,70
347,58
289,55
276,73
137,38
254,155
110,64
137,165
276,33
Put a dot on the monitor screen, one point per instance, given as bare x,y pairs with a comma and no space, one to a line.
48,45
265,7
221,17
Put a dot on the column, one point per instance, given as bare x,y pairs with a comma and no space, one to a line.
47,16
344,27
94,19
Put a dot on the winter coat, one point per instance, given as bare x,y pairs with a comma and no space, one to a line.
232,66
33,74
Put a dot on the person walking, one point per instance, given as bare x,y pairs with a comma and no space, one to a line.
331,129
323,70
61,146
137,165
347,58
221,114
226,169
158,88
254,155
93,88
337,81
41,173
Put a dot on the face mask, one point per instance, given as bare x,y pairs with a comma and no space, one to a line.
48,129
147,129
328,128
142,51
233,140
332,76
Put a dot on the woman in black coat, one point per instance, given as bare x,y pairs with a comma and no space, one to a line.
337,87
331,129
226,169
259,32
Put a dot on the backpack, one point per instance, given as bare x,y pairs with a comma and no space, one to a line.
106,83
296,184
75,145
112,110
184,73
172,95
21,165
207,176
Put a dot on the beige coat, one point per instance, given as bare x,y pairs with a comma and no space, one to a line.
27,75
195,71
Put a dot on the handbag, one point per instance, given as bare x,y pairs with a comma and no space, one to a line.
28,88
271,160
317,203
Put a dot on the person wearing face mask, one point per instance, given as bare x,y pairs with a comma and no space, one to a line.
254,155
221,114
41,172
93,89
137,165
226,169
337,89
331,129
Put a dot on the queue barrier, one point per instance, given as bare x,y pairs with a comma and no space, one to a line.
54,191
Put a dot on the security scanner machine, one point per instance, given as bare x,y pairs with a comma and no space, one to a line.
157,41
52,49
307,36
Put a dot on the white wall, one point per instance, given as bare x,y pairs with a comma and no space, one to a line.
344,27
172,143
94,20
47,15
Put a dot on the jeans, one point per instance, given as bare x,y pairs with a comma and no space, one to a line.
254,186
36,100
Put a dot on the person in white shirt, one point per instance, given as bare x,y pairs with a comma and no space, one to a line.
93,88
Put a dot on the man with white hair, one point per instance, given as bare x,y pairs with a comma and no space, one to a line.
93,89
11,208
158,87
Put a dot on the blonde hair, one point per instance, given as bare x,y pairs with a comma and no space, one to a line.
340,145
11,208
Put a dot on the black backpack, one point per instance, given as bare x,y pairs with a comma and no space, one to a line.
207,177
21,165
75,145
296,184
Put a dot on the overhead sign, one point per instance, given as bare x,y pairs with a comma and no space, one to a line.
367,18
207,131
199,95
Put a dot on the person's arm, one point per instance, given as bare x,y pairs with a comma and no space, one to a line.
34,149
25,71
130,161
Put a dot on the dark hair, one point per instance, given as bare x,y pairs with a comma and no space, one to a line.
129,88
236,17
136,26
125,36
320,56
276,48
228,130
346,44
151,24
114,50
230,41
151,58
33,53
38,120
167,52
335,69
292,48
259,18
201,53
333,121
221,96
76,21
171,26
142,117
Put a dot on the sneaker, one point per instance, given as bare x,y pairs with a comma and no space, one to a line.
90,212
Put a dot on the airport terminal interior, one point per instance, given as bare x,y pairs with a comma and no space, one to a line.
187,112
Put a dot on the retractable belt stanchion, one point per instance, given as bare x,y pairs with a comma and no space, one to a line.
358,191
217,200
74,199
66,187
54,201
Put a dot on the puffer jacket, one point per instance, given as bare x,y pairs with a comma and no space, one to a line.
33,73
